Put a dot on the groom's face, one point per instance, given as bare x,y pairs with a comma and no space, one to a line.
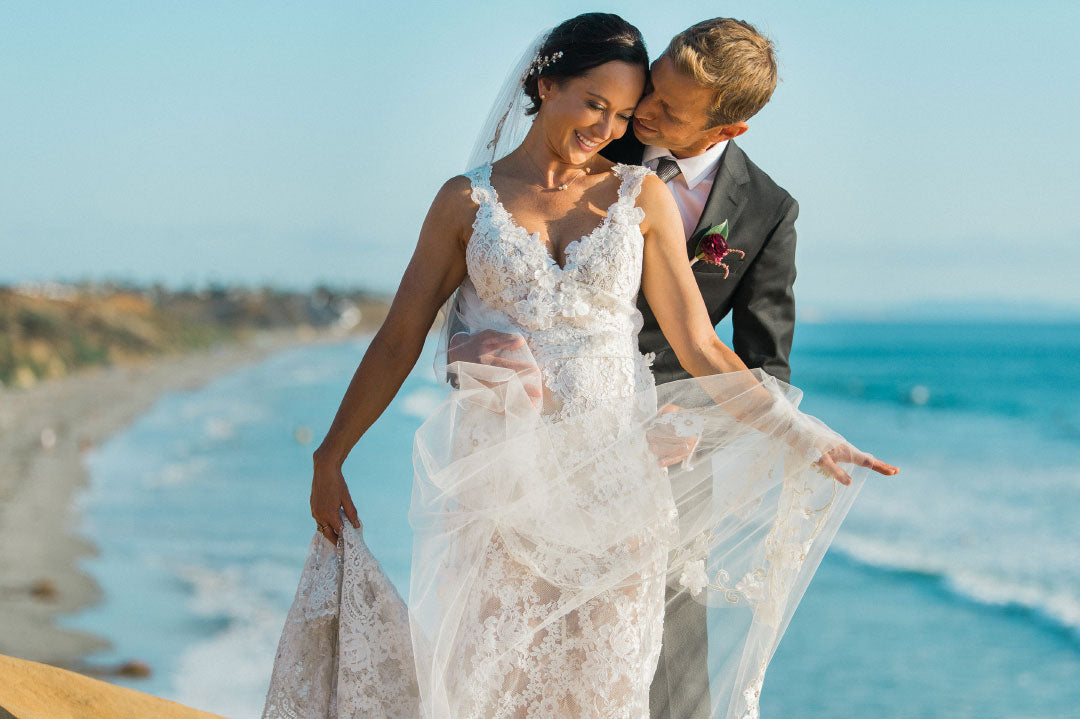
673,113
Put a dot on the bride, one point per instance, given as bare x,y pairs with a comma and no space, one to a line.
558,490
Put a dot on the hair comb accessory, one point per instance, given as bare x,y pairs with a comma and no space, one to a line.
537,65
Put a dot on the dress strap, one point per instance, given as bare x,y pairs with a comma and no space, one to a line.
483,193
630,179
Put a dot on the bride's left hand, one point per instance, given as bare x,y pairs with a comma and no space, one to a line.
330,495
829,463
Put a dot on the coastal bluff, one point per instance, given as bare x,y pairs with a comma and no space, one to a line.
50,330
29,690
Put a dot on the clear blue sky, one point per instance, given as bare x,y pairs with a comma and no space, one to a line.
930,145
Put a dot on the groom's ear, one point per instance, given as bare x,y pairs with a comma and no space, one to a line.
720,133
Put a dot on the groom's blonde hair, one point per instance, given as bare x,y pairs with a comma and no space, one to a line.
734,59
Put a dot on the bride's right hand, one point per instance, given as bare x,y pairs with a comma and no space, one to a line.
486,347
330,494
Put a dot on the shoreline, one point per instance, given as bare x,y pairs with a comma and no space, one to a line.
45,432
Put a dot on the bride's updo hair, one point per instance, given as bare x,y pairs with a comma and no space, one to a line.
586,41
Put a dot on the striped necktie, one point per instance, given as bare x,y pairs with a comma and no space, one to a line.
667,169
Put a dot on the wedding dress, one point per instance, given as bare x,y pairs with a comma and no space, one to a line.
546,531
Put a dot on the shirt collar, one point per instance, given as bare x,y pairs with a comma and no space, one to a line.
694,169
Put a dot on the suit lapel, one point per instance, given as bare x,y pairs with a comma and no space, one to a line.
726,198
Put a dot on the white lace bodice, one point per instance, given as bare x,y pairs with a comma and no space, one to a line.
580,320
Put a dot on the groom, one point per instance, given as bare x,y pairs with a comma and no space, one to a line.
712,78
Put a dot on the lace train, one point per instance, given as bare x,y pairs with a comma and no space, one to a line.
344,650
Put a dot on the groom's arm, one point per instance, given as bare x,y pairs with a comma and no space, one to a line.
763,310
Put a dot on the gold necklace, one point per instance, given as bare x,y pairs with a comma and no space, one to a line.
585,171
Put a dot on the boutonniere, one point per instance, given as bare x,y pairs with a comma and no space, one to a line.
713,247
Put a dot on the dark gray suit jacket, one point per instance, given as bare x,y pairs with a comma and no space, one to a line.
758,292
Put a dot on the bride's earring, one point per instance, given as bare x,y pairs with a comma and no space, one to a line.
543,97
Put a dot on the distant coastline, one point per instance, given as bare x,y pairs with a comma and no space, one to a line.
49,330
79,364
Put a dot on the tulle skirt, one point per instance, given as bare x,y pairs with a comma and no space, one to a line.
548,548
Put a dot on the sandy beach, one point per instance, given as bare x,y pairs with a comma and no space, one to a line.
45,432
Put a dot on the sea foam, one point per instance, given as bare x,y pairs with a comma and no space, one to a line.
1059,608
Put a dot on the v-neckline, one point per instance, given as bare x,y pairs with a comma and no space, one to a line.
551,261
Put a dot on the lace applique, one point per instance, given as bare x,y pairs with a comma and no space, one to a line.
586,309
589,663
346,640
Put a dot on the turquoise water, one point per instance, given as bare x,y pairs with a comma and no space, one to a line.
953,590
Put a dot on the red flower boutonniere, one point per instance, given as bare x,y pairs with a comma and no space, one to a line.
713,247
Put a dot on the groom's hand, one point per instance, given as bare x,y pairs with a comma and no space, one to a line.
669,447
487,347
829,463
481,347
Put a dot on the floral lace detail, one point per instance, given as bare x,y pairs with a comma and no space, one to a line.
586,309
803,513
595,661
346,640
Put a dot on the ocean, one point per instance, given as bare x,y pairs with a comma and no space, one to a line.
952,589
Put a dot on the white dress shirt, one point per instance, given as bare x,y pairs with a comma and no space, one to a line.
692,185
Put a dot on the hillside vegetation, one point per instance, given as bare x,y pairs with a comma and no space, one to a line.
49,330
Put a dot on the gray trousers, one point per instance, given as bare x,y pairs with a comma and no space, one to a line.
680,687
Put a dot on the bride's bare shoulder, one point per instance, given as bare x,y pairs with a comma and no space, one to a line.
454,199
602,165
451,213
457,189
